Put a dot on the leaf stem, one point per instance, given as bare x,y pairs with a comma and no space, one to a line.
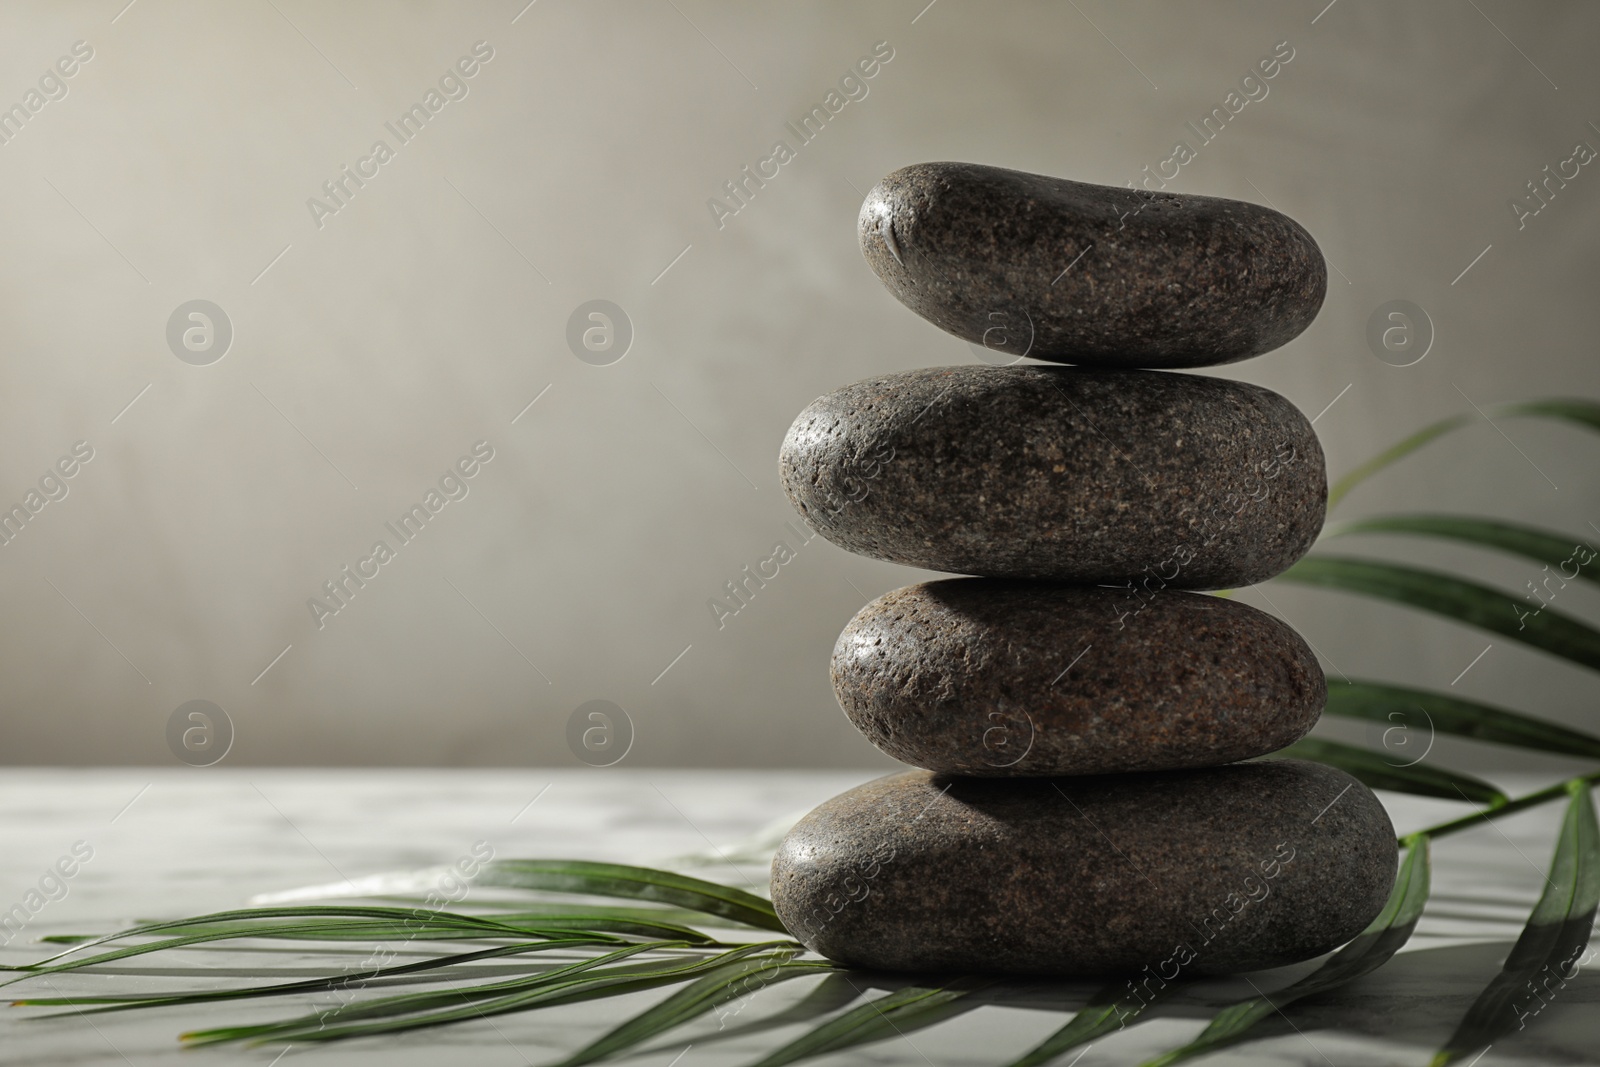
1522,803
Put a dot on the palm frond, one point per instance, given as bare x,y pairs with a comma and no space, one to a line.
1580,412
1369,951
347,980
1113,1008
410,1011
736,980
1406,709
1454,598
1542,546
1551,943
634,883
1375,771
893,1015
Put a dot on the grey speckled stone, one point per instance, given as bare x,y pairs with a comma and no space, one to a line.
1090,274
1227,869
1061,473
985,676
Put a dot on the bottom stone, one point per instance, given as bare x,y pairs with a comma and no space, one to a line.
1220,870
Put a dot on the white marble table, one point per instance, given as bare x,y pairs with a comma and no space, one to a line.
169,843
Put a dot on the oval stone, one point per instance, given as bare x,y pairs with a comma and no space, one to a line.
1061,473
1212,871
993,677
1095,275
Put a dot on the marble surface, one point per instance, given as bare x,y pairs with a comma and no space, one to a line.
167,843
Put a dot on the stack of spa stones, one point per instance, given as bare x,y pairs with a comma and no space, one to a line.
1079,710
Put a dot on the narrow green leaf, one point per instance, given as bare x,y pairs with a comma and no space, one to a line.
1107,1011
654,913
253,922
1372,948
1583,412
833,994
1396,452
1376,771
1551,943
621,927
286,930
634,883
1558,552
1421,712
732,982
311,985
1463,601
387,1015
420,1003
903,1011
506,923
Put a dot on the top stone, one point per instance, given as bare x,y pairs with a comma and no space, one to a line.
1095,275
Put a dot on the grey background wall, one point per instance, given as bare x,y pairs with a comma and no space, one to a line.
373,345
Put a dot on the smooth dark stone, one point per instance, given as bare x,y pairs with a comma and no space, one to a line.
994,677
1090,274
1061,473
1220,870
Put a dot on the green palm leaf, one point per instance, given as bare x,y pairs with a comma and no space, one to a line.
1463,601
1382,938
1541,546
633,883
393,1014
1582,412
242,921
896,1014
1107,1011
1375,771
739,979
652,913
546,925
311,985
507,924
327,1020
297,931
1399,706
1551,943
